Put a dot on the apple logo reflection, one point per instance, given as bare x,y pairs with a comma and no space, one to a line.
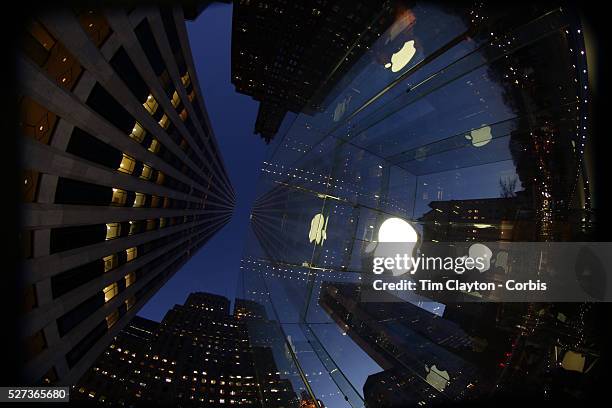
318,229
401,58
480,137
438,379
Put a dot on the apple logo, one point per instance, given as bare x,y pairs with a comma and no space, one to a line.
480,137
341,108
401,58
436,378
396,235
481,251
318,229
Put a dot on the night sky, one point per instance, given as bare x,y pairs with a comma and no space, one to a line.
215,267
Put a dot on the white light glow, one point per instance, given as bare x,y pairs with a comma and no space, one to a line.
396,230
480,137
401,58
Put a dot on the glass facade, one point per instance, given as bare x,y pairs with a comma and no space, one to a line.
467,123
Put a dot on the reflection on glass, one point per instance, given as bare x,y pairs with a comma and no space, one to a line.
457,125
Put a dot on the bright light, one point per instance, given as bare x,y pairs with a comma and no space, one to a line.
480,137
396,230
401,58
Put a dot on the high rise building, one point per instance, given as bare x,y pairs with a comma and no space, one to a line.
488,219
199,355
123,180
440,358
289,55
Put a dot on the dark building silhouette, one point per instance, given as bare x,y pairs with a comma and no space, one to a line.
289,55
199,355
122,182
435,357
480,219
395,388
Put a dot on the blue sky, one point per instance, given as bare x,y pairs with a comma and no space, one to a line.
215,267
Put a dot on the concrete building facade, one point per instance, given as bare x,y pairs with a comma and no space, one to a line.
122,182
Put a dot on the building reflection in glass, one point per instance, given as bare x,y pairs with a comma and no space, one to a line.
467,124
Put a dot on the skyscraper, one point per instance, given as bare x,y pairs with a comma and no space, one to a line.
122,183
289,55
434,354
199,355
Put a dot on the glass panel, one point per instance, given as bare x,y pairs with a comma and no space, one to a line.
450,127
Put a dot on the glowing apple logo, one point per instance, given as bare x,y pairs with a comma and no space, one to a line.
399,236
401,58
481,251
318,229
436,378
480,137
396,230
341,108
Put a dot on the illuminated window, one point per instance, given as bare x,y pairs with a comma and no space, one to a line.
131,253
191,96
162,222
127,164
164,122
110,291
154,201
41,34
151,225
129,302
110,262
185,79
147,171
183,115
133,228
160,178
150,104
112,318
154,148
138,132
175,99
113,230
119,196
139,200
130,278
